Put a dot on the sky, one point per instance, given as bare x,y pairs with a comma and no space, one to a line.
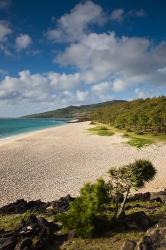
59,53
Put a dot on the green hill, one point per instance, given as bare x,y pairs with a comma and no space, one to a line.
74,112
141,115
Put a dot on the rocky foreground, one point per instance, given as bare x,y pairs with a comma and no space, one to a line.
38,232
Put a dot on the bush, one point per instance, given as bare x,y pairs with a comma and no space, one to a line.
103,128
139,132
83,211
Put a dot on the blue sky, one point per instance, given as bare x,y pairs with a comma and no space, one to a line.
59,53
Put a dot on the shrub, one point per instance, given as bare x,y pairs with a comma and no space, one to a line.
103,128
133,175
83,211
139,132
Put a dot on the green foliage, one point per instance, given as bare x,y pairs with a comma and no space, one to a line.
102,131
133,175
83,211
142,115
139,142
139,172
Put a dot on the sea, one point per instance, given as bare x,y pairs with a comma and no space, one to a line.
11,127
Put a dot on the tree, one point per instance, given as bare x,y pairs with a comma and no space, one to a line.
83,211
125,178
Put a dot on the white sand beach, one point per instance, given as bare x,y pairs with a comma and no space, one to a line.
57,161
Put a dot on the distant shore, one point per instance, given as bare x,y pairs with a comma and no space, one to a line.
53,162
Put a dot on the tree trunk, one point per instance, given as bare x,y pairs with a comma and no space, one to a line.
121,210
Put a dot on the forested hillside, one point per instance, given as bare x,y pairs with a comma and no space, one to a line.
75,112
141,115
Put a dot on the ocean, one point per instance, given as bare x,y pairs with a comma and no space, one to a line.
11,127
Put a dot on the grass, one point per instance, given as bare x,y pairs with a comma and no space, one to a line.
113,239
139,142
10,222
135,139
112,242
101,131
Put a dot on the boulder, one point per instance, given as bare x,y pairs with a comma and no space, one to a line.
140,197
8,243
129,245
61,205
25,244
138,220
21,206
158,196
35,229
145,244
154,235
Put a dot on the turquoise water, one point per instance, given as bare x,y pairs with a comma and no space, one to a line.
10,127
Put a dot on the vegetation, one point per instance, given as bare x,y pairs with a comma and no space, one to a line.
82,214
94,210
74,112
86,211
125,178
116,236
141,116
101,130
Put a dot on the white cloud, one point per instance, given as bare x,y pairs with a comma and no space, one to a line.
4,4
81,95
162,70
117,15
140,94
101,88
119,85
23,41
72,26
3,72
124,61
137,13
5,30
36,87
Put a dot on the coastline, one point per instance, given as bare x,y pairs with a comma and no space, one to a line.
52,162
23,135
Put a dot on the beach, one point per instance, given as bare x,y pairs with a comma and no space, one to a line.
57,161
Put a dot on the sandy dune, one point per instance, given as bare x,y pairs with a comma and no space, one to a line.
54,162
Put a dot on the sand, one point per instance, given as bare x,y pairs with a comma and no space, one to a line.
57,161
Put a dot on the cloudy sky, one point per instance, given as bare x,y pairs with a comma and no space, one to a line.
59,53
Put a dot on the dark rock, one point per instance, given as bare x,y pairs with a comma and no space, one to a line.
140,197
8,243
71,234
154,235
62,204
21,206
129,245
24,244
146,244
158,196
138,220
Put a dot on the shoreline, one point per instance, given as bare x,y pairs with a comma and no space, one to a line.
23,135
52,162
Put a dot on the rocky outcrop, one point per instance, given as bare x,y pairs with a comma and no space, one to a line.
138,220
34,233
158,196
155,239
21,206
